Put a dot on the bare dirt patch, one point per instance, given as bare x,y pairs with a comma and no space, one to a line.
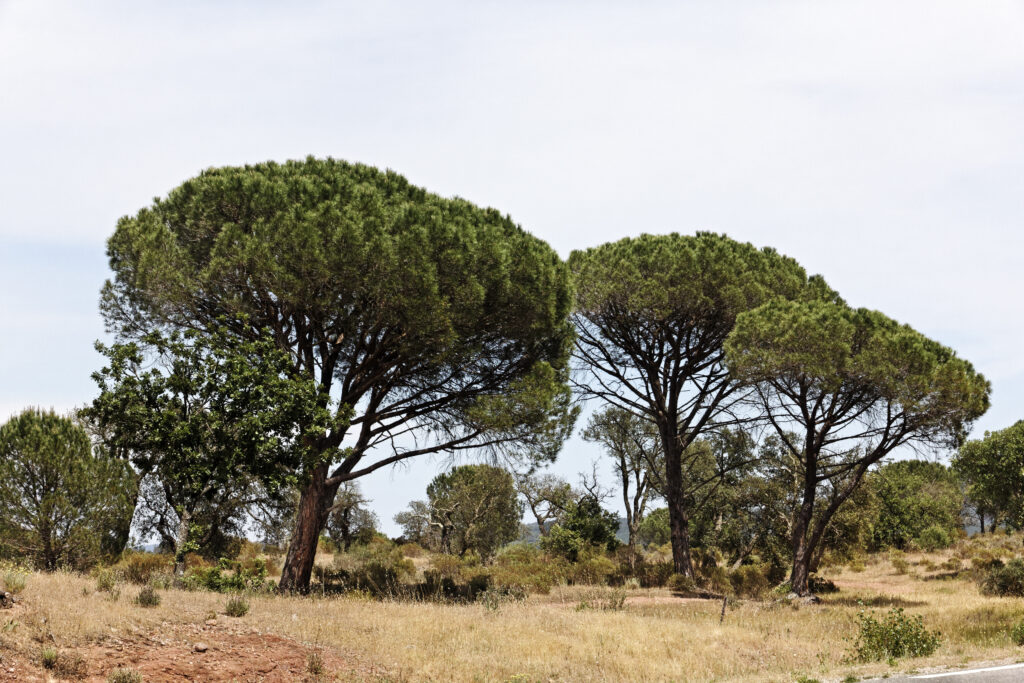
170,654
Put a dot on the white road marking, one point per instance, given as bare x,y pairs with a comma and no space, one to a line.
1005,667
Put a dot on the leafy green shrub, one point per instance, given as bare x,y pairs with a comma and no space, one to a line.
563,543
681,583
14,580
106,581
446,566
139,567
229,576
124,675
527,567
237,606
819,585
899,562
934,538
896,635
378,567
147,597
1004,580
953,564
593,568
655,574
48,657
494,598
1017,633
749,581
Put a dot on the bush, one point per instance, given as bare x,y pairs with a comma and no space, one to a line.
750,581
1017,633
899,562
14,580
525,566
654,574
494,598
934,538
106,581
896,635
123,675
563,543
230,576
593,568
1004,580
681,583
48,657
237,606
140,568
378,567
147,597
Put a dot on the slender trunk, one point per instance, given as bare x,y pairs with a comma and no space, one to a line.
798,578
314,504
181,542
981,518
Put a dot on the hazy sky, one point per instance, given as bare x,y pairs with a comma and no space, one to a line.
879,143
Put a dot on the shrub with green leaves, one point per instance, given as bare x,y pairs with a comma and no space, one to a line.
1004,579
229,576
147,597
237,606
895,635
14,580
1017,633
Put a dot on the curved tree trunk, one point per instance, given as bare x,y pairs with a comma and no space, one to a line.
314,504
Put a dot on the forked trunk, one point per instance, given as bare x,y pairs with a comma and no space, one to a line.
314,504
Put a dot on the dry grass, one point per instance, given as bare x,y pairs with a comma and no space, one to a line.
654,637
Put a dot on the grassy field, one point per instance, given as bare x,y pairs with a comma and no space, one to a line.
571,634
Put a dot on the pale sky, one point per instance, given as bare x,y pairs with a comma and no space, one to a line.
879,143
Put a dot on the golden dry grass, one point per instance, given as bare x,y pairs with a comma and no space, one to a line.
654,638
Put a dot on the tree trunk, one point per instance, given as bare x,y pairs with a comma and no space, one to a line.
314,503
181,542
678,517
798,578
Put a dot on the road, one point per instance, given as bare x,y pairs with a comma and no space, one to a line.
1007,673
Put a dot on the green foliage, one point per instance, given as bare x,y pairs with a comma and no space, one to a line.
147,597
528,567
652,315
379,567
563,542
934,538
843,388
413,311
60,498
48,657
895,635
236,606
106,580
993,469
1017,633
350,520
13,578
200,413
585,523
141,567
654,528
1004,579
124,675
229,576
914,501
476,508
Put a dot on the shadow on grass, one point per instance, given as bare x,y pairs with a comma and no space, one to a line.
875,601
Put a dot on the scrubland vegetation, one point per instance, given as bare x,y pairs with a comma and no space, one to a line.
568,630
283,330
